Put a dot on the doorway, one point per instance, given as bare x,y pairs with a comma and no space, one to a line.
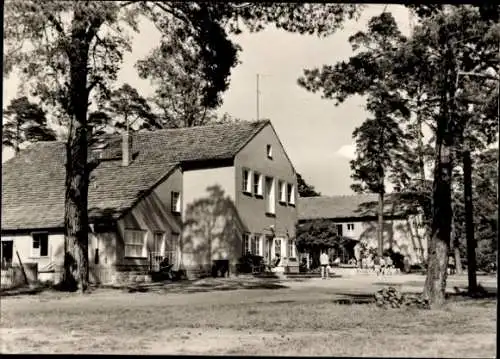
268,248
7,253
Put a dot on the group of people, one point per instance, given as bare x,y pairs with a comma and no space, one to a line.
379,264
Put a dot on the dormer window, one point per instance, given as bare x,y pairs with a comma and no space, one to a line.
269,150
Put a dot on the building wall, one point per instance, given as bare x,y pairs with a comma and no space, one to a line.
252,209
211,221
405,236
50,266
23,244
153,214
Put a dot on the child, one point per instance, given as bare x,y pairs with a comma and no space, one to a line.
382,265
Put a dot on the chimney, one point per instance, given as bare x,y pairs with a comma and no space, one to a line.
126,149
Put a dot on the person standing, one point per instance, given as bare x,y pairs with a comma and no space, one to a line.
324,261
382,265
376,262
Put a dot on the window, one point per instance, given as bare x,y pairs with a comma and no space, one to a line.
291,194
269,150
257,184
135,243
40,245
270,195
247,181
255,245
350,226
246,243
96,256
290,249
340,230
176,202
282,188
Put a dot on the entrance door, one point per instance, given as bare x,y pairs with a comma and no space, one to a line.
268,248
7,253
157,250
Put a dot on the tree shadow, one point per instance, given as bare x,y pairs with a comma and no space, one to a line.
212,231
201,286
350,298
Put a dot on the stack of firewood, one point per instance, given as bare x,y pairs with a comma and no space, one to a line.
392,298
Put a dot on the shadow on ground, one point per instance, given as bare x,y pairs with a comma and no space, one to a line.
206,285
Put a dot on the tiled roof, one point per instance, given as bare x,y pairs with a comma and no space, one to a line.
350,206
33,181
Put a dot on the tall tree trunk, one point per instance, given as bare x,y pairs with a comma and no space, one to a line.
469,223
458,259
435,282
18,138
427,210
76,273
455,247
380,224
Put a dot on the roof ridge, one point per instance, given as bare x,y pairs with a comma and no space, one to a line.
112,136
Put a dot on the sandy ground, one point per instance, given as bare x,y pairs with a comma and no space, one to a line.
217,327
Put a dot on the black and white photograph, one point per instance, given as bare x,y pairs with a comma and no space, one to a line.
250,178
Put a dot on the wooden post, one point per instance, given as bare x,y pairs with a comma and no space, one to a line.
22,268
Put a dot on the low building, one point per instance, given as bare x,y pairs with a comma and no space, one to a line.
195,196
356,217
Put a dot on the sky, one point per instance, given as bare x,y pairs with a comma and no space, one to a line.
316,134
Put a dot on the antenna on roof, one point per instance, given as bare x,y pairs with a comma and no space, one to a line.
257,98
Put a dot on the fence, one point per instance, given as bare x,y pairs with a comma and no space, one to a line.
156,259
11,277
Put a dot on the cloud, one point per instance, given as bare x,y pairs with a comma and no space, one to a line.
347,151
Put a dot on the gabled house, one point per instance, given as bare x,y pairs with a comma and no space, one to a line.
196,196
356,217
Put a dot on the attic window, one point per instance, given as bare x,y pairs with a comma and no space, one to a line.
269,150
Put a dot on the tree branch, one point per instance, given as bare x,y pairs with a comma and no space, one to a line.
57,25
172,12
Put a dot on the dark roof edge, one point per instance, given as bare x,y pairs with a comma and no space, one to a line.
256,132
402,215
283,147
14,231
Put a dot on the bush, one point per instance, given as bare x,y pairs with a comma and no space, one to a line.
397,259
247,262
392,298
